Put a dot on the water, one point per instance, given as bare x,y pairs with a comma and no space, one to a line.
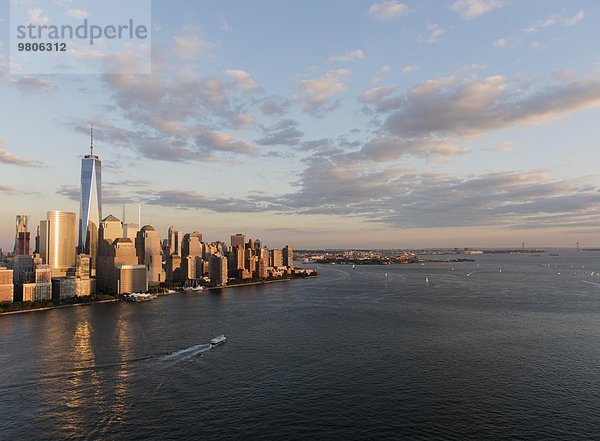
473,353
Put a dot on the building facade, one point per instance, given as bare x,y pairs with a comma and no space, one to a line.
90,211
58,241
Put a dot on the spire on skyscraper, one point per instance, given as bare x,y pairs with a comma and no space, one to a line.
91,139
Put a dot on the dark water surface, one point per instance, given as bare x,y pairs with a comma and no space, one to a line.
367,353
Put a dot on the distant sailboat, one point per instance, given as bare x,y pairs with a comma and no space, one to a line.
427,280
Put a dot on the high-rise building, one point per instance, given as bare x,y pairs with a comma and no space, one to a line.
173,268
149,252
22,236
238,240
131,278
288,256
6,285
192,245
218,270
174,241
58,241
130,231
238,257
261,267
276,258
111,228
91,204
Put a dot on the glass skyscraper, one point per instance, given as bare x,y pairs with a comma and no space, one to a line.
91,205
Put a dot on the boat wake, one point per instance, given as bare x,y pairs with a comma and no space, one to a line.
184,354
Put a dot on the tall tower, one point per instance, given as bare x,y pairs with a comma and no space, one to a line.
58,245
22,236
90,211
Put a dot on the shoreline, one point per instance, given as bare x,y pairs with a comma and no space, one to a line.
48,308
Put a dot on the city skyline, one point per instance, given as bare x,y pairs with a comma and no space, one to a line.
387,126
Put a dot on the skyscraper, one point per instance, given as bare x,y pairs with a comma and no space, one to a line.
148,249
90,211
58,241
22,236
238,240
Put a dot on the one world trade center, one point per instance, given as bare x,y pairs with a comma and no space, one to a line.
90,211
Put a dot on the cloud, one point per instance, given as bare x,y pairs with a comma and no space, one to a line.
112,193
389,149
189,47
435,33
501,43
241,79
224,142
273,105
7,190
179,119
376,94
349,56
23,82
409,68
387,9
541,24
241,121
506,146
319,90
554,20
7,157
284,132
35,16
469,9
575,19
450,106
404,198
193,200
77,13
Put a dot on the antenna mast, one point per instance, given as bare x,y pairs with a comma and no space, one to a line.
92,139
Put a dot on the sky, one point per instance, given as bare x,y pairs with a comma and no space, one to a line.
338,123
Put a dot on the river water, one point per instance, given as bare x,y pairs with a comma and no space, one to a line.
502,348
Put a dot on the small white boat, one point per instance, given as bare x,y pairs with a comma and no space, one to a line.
218,340
427,280
140,297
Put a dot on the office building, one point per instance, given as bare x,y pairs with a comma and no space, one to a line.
218,270
192,245
173,268
121,252
131,278
262,264
65,287
6,285
276,258
130,231
238,240
149,252
22,236
58,241
90,211
288,256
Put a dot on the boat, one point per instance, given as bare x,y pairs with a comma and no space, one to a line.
218,340
139,297
193,288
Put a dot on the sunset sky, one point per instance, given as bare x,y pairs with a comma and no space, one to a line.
338,123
